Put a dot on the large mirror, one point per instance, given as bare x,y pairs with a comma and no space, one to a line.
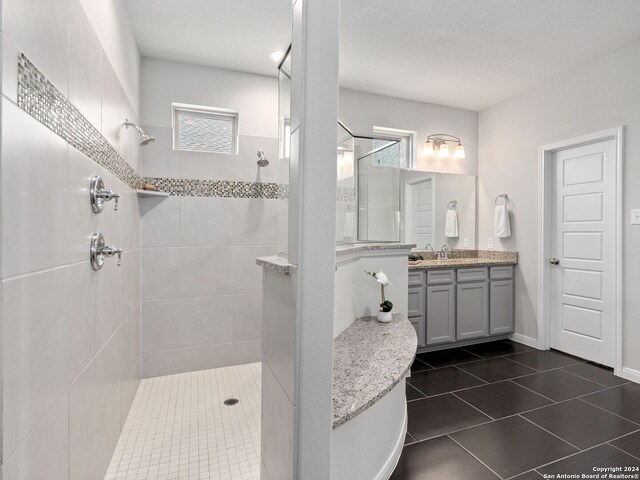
438,209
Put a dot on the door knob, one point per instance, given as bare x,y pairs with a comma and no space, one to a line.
554,261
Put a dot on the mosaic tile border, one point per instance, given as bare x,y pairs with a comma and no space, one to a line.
43,101
346,194
217,188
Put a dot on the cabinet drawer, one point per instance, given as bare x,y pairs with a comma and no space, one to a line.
472,274
415,279
501,273
439,277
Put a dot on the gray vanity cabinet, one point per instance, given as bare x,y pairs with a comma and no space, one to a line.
447,306
441,314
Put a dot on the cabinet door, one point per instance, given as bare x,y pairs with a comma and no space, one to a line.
416,311
501,311
472,302
441,314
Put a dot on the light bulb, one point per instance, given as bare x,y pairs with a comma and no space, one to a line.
428,149
444,151
459,154
276,56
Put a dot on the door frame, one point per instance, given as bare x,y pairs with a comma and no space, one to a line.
545,230
409,187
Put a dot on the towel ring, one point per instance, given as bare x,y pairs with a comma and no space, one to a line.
452,205
504,196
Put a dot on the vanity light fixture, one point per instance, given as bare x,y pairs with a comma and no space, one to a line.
436,145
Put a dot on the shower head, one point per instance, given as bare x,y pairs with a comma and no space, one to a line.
145,139
262,160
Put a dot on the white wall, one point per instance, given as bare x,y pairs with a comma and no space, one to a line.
201,288
361,111
70,336
598,96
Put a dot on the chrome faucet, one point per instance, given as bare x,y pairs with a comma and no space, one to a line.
99,250
429,247
443,254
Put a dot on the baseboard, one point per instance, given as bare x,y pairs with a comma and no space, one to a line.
523,339
630,374
392,462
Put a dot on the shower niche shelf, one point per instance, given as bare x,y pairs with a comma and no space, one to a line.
151,193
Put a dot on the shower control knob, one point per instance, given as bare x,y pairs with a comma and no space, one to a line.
98,194
98,251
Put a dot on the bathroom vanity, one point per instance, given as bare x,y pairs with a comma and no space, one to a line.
464,300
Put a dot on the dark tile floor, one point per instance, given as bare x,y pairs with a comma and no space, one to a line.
504,410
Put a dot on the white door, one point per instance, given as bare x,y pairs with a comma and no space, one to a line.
422,213
583,252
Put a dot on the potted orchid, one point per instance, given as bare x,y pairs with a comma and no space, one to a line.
384,314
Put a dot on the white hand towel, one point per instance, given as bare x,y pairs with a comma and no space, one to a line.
348,224
501,225
451,224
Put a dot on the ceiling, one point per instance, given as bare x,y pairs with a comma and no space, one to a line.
463,53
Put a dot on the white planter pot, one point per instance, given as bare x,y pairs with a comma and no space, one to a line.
384,317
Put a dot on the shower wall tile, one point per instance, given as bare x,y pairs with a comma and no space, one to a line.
255,221
206,321
205,271
45,452
35,356
128,215
205,221
161,321
82,297
34,187
129,139
160,273
112,101
109,373
160,221
9,68
246,276
159,159
85,426
130,284
40,29
207,166
109,304
84,65
247,317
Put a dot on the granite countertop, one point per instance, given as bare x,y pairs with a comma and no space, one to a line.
369,359
276,263
466,258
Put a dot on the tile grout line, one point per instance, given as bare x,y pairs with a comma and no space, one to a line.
605,410
549,432
474,376
533,391
470,453
472,406
630,454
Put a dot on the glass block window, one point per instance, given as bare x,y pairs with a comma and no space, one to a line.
205,129
399,155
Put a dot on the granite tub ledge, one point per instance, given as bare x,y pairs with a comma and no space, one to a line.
369,359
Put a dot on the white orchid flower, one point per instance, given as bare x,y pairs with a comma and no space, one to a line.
382,278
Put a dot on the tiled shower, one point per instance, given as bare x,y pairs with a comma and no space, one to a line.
76,342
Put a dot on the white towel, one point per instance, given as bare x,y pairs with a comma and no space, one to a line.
348,224
501,225
451,224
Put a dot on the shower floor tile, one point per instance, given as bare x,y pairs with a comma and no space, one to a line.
179,428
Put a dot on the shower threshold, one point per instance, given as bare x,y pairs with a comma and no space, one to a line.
179,427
